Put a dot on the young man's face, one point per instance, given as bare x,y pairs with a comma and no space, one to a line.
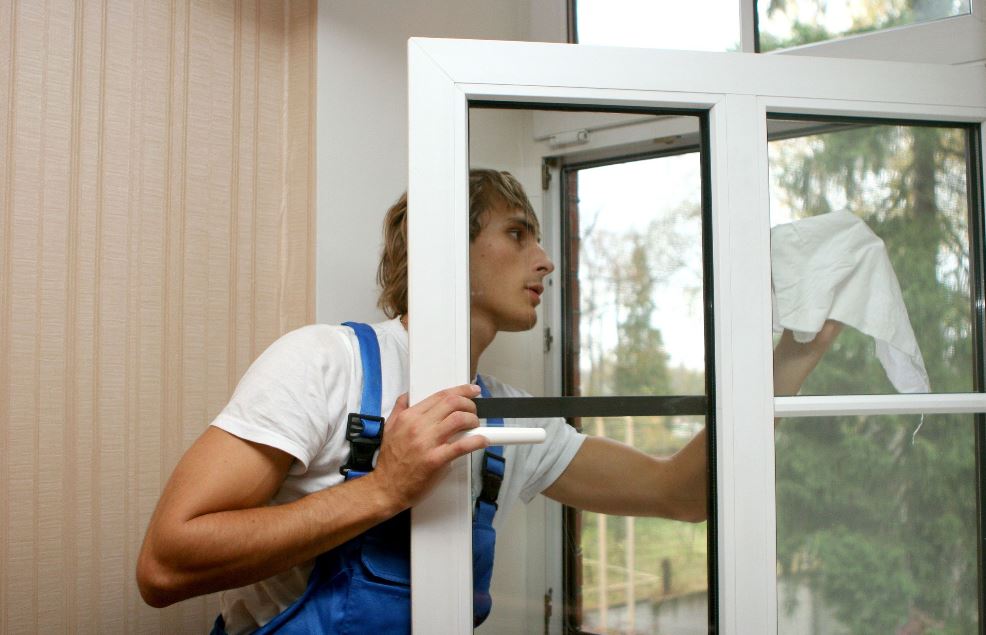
507,267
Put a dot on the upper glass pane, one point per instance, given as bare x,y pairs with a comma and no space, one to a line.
787,23
639,276
870,228
665,25
876,525
626,262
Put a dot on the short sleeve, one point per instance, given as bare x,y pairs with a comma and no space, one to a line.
541,464
534,467
294,394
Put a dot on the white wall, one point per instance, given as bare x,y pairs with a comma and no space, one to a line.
362,169
362,123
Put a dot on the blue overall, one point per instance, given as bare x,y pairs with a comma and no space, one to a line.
363,586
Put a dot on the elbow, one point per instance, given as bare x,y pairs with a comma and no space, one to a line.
687,510
694,514
158,585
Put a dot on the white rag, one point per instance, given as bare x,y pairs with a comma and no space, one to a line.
834,266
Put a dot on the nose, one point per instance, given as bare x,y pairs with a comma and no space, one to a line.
543,263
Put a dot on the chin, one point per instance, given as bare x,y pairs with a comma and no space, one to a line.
520,325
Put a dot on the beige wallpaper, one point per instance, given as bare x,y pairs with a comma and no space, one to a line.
156,233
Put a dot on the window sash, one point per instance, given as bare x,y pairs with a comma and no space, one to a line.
737,91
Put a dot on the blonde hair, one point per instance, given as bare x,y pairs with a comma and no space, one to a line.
486,189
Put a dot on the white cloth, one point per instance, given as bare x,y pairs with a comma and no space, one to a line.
834,266
296,396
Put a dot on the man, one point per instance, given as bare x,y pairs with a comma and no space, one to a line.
259,495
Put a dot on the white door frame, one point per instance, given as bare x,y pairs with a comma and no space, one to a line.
736,90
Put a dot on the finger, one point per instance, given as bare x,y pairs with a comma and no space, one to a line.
454,423
465,390
463,446
452,402
830,329
400,405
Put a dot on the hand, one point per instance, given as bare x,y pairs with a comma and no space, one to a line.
793,362
416,450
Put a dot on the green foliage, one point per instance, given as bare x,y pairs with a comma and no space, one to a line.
883,527
640,366
626,270
683,545
868,16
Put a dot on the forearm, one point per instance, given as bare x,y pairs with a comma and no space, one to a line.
793,361
227,549
609,477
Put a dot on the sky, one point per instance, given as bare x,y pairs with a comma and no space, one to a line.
660,24
626,197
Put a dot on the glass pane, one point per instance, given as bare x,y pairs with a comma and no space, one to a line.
644,575
640,316
666,25
876,525
786,23
620,258
870,227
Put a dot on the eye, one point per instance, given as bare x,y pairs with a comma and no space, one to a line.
516,233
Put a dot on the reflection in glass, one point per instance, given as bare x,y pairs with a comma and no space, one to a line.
630,267
644,575
876,525
880,233
786,23
640,278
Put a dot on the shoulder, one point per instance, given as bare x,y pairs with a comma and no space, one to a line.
313,337
498,388
314,345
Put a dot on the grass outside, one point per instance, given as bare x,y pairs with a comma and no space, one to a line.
669,557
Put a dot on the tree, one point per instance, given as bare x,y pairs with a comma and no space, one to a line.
640,365
867,15
879,521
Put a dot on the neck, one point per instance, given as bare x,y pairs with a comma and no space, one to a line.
481,336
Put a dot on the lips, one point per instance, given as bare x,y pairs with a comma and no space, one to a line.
536,290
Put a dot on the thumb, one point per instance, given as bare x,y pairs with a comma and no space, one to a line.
400,405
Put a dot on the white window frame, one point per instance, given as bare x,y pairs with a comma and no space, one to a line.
737,90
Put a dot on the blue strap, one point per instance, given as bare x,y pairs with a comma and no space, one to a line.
369,352
364,429
496,422
493,465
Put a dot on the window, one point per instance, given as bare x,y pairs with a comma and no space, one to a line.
884,502
632,335
876,524
925,31
446,76
635,325
783,24
669,25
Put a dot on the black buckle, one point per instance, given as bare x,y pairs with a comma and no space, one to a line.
364,433
491,480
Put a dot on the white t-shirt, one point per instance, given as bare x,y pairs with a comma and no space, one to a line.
296,396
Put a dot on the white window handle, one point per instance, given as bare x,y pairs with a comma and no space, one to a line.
507,436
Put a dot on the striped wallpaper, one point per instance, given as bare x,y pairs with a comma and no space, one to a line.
156,233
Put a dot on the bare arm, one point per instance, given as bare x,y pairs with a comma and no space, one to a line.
213,528
609,477
612,478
